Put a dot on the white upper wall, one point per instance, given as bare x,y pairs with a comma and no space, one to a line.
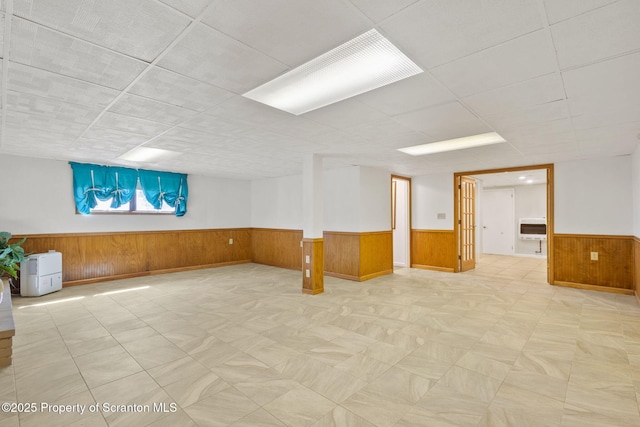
635,176
431,195
341,200
355,199
594,196
375,199
40,201
277,203
591,197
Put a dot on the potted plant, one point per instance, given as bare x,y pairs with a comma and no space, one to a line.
11,255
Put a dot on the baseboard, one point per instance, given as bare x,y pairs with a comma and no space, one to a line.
150,273
431,267
594,287
342,276
358,278
376,274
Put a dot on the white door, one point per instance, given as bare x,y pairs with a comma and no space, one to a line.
498,221
400,219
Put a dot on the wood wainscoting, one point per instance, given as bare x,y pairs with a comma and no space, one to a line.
358,256
612,272
96,257
433,250
277,247
636,267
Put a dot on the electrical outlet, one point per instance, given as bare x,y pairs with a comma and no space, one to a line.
231,241
594,256
307,273
307,259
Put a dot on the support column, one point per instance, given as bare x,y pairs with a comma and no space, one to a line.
312,241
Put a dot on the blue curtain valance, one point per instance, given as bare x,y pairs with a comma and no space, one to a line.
169,187
96,182
93,182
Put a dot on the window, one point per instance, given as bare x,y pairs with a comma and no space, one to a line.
138,204
115,189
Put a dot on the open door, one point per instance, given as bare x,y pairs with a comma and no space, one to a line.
467,223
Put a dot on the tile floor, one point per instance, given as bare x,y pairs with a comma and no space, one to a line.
242,346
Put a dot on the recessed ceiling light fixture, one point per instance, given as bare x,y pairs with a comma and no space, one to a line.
454,144
364,63
148,154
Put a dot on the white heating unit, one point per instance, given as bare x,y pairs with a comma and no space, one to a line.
41,274
533,228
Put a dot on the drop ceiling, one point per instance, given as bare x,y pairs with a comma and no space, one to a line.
89,80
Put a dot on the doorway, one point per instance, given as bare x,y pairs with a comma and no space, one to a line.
460,207
401,220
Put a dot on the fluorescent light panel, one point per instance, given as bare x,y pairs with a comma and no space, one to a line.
148,154
365,63
454,144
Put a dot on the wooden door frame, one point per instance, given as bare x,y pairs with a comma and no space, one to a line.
410,255
550,209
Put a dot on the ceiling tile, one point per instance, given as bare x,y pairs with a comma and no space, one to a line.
343,114
517,98
296,31
111,140
620,138
29,80
50,108
239,109
66,131
606,118
385,130
533,117
515,61
414,93
444,122
561,10
210,56
143,28
489,65
298,127
42,48
378,10
603,33
131,124
212,125
167,86
145,108
115,147
192,8
606,86
2,18
435,32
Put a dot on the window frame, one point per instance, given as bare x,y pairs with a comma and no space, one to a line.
133,204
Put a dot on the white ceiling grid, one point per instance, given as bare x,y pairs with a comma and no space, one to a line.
89,80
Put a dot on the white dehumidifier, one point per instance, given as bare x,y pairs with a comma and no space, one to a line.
41,274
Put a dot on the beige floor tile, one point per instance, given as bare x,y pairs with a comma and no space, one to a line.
221,409
153,351
470,383
445,406
50,382
130,400
300,407
99,368
410,349
341,417
260,418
